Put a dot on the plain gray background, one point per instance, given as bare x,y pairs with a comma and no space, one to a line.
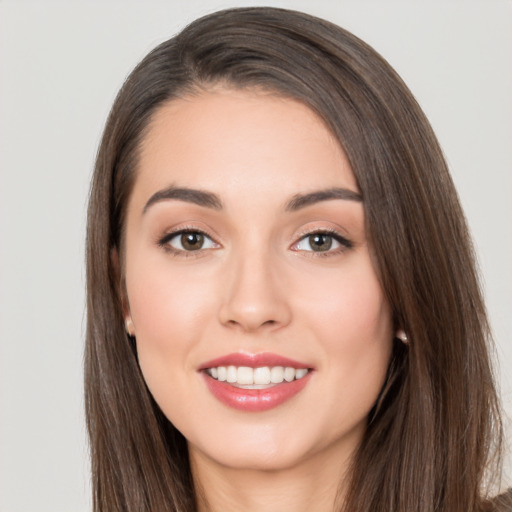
61,63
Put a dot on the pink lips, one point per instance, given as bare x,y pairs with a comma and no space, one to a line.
254,400
252,361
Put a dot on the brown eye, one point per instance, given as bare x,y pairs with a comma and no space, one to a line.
187,241
320,242
192,241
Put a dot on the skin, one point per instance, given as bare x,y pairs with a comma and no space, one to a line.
257,286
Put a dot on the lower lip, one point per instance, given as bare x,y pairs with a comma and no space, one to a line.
255,400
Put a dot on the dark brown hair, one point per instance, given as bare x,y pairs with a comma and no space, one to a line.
433,437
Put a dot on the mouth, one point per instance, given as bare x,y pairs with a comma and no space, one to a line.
262,377
255,382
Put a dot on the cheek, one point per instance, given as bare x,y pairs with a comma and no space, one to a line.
348,305
349,316
169,310
163,299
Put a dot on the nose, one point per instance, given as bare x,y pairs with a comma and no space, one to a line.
255,296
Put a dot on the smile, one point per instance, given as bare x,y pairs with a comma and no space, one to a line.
256,378
255,382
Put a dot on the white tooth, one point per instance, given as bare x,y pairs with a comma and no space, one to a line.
262,375
213,372
221,373
289,374
231,374
301,373
244,375
277,374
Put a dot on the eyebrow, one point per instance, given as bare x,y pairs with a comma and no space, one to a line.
302,200
189,195
211,200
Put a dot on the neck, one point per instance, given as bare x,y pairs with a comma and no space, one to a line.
315,484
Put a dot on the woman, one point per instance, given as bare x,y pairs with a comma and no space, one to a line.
283,309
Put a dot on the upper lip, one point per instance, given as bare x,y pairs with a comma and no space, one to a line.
253,361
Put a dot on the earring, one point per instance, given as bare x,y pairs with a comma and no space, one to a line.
402,336
128,325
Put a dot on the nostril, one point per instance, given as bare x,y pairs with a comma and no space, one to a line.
250,324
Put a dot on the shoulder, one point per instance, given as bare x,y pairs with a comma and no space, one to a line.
501,503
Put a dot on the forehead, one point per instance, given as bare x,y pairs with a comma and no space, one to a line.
226,140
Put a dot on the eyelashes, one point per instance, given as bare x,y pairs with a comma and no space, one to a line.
186,242
323,242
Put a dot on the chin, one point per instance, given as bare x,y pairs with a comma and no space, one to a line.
257,459
269,449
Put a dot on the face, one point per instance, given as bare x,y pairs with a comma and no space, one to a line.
262,330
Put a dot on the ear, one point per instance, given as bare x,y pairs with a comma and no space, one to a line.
402,336
129,327
122,293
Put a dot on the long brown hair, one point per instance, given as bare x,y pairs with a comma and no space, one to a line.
434,435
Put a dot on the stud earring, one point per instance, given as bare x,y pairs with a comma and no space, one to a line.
402,336
128,325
